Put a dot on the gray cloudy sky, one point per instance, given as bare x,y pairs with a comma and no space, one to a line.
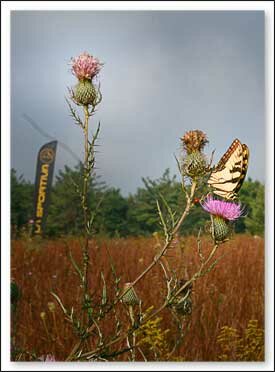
164,73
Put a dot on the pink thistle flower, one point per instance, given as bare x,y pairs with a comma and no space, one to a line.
226,210
47,358
85,66
50,358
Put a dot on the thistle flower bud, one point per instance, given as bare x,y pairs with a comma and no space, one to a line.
194,141
85,67
194,163
220,229
84,93
130,298
223,214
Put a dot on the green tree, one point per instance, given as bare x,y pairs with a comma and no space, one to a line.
252,197
254,221
143,213
109,208
22,196
134,215
112,214
65,212
143,217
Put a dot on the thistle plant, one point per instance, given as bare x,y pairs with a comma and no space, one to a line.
87,95
85,68
95,343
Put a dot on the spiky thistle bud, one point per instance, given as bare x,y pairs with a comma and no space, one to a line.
130,297
194,140
194,163
220,229
84,93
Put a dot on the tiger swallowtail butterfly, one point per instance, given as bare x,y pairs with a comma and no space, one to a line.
227,177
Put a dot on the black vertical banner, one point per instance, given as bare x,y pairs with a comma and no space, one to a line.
43,183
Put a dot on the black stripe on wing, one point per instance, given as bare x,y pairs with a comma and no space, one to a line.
240,153
244,168
224,159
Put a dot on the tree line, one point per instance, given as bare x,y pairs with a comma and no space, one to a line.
120,216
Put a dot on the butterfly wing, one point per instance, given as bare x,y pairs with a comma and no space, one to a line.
245,157
229,174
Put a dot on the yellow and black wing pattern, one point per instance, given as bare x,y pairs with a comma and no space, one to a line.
227,177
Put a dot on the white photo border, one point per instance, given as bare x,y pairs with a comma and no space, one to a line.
7,8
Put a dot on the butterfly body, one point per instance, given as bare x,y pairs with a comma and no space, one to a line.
227,177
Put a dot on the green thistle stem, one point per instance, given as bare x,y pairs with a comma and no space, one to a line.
86,177
132,317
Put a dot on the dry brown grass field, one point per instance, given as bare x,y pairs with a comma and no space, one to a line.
231,295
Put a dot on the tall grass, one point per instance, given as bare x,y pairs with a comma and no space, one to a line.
230,295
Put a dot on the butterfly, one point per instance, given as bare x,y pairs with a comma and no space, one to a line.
227,177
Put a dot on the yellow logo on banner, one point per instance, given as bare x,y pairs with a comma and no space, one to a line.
41,197
47,155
